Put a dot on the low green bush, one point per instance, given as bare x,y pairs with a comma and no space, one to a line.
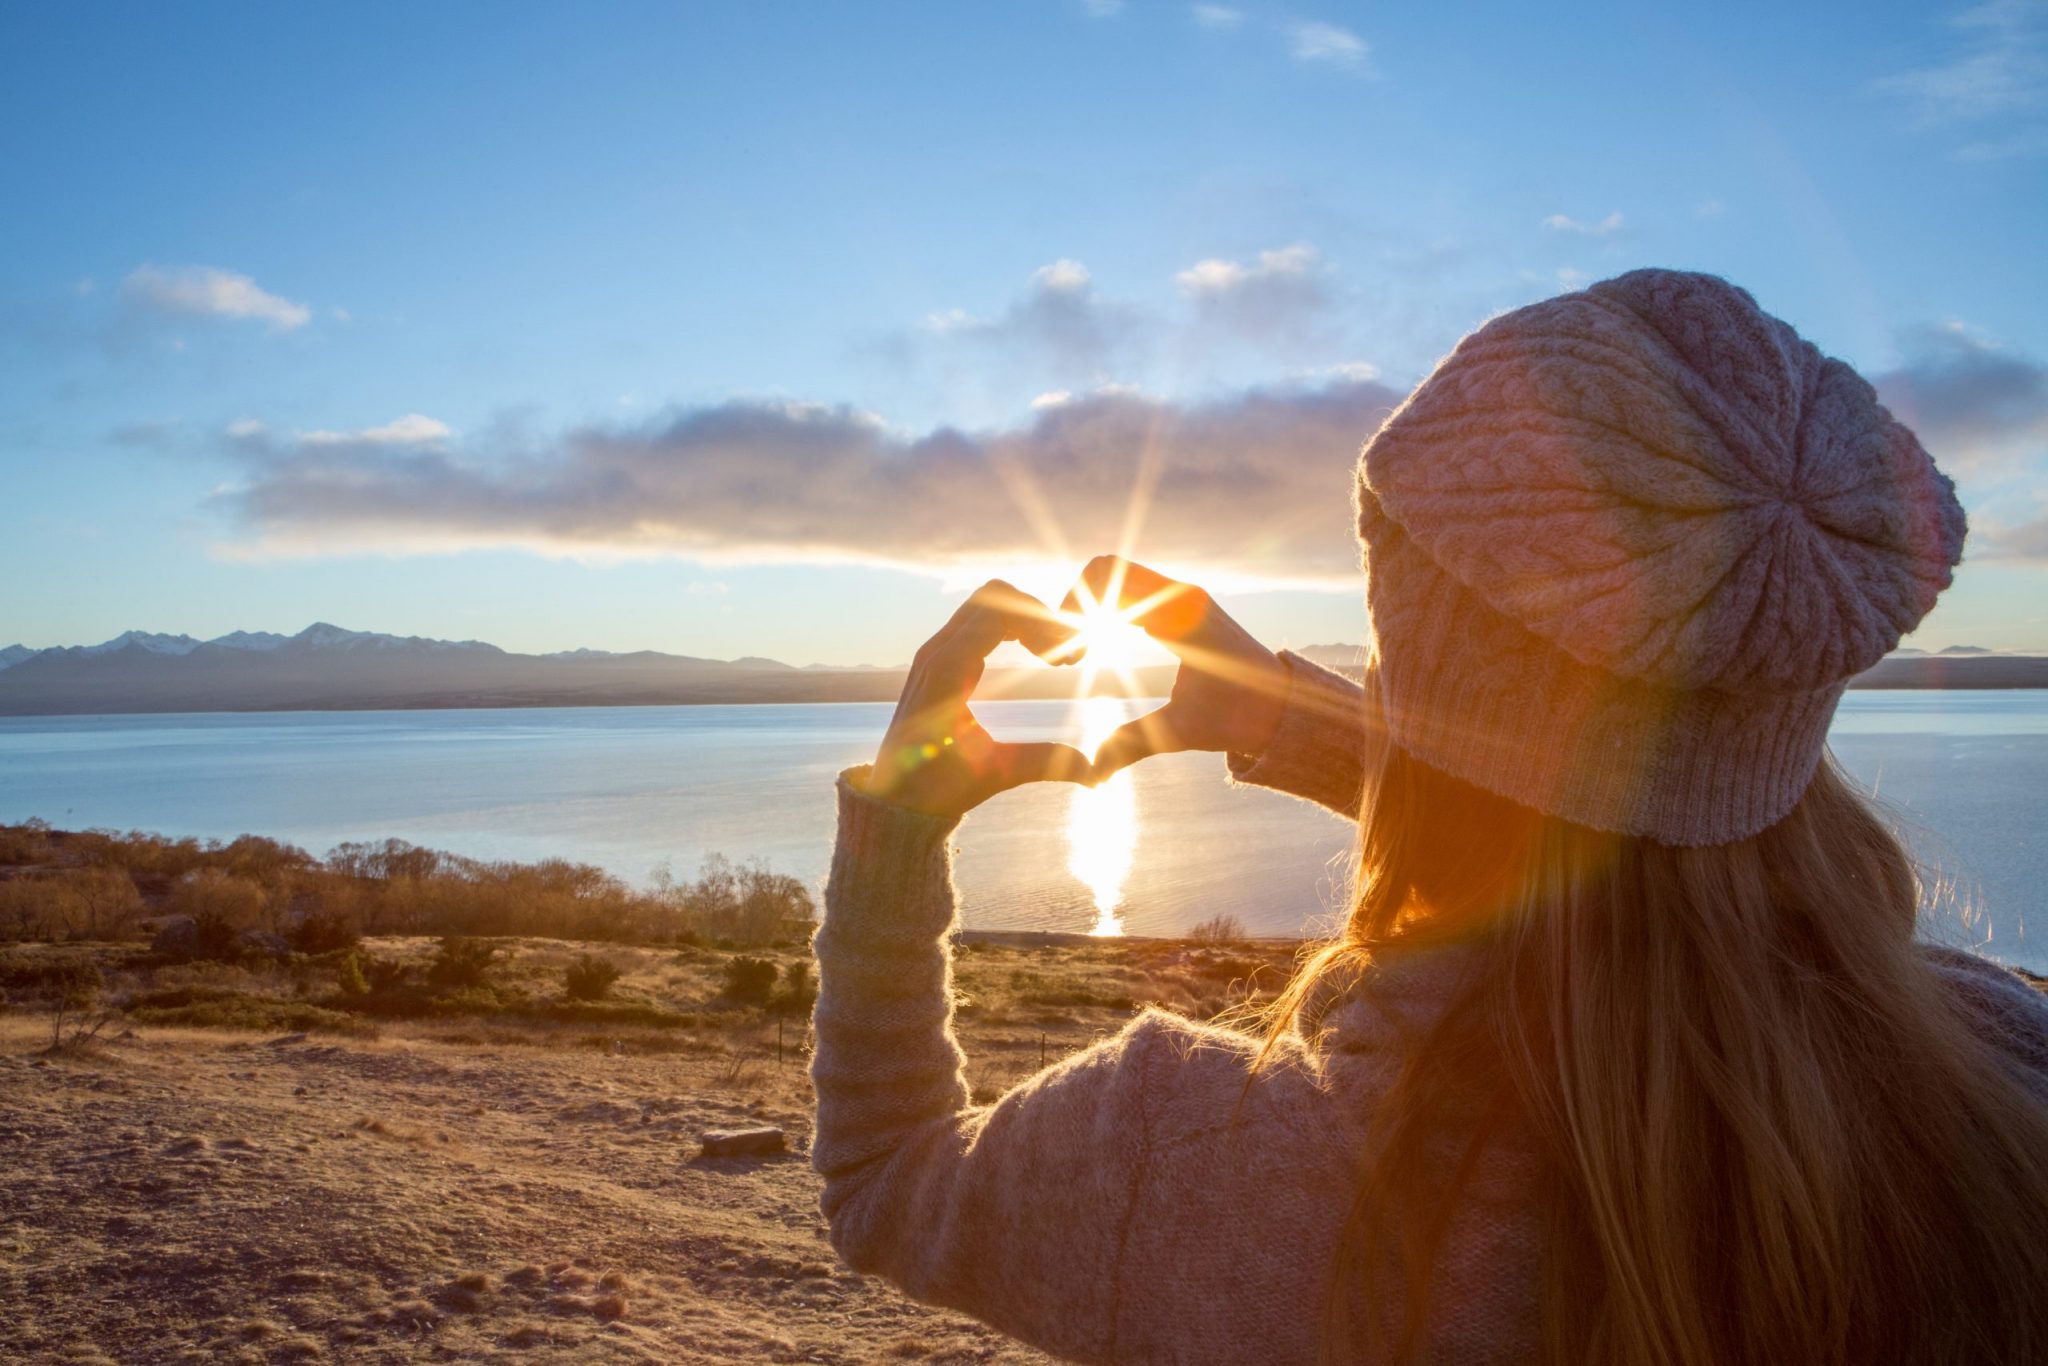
224,1008
461,963
590,977
749,981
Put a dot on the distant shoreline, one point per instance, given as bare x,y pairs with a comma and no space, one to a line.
167,694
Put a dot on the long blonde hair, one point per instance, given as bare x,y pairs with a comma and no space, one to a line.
1769,1133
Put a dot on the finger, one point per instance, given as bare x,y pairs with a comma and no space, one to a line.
1152,733
1011,765
1166,609
998,612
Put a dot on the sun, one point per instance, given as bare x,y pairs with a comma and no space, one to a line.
1107,641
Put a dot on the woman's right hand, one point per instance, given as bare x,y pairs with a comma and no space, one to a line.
1230,690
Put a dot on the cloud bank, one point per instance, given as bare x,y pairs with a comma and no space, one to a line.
1256,486
1981,409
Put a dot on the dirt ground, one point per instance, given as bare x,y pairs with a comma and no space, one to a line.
441,1193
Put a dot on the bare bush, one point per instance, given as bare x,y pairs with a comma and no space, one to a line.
1219,929
99,883
70,991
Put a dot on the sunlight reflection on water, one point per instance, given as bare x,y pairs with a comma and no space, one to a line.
1102,822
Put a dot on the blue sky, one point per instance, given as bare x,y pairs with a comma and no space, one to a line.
623,325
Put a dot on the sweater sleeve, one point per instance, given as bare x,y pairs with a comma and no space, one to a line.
1019,1213
1318,751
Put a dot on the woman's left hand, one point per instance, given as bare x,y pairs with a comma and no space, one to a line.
936,758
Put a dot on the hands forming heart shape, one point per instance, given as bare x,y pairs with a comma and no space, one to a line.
936,758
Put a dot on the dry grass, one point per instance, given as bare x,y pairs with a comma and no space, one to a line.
499,1183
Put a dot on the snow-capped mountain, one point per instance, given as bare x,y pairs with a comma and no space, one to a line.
249,640
323,635
153,641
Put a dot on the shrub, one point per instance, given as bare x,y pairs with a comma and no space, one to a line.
208,937
749,981
798,992
28,842
323,932
106,900
1218,929
216,938
590,977
349,978
461,963
234,900
226,1008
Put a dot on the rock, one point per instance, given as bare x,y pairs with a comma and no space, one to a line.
762,1142
263,944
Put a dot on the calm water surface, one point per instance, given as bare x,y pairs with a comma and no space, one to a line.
1166,845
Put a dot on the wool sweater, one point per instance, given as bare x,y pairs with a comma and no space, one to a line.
1153,1198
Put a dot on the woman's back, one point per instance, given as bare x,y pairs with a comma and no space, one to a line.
1183,1192
1626,1051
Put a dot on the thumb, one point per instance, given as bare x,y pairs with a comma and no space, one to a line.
1014,765
1153,733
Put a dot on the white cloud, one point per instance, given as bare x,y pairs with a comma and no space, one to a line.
1062,276
2000,64
1352,371
1217,277
1606,227
1217,17
1709,208
1256,484
411,430
1311,41
949,320
1102,9
208,292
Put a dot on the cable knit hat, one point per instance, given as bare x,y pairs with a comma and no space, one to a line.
1625,548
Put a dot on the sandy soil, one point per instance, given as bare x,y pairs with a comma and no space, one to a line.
197,1196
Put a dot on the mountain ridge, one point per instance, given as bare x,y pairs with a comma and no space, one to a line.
330,668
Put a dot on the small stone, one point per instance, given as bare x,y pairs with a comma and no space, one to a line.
759,1142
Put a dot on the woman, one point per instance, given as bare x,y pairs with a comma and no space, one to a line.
1627,1052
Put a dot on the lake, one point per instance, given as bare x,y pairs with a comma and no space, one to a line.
1166,845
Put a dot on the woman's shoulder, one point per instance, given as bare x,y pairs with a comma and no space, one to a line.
2010,1007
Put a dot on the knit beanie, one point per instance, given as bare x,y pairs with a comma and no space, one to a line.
1626,547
